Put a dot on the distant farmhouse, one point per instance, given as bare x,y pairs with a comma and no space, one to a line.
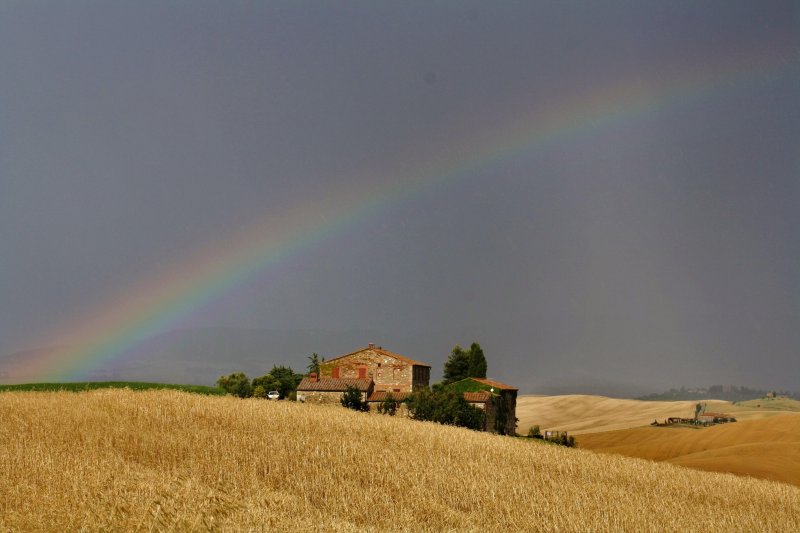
377,373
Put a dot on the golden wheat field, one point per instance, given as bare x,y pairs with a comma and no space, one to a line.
767,448
117,460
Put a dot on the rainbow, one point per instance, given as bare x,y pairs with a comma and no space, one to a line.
118,326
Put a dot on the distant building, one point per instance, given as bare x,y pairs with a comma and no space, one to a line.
715,418
497,400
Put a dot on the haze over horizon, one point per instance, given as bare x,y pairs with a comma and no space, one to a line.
605,195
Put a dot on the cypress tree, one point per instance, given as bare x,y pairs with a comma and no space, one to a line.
477,362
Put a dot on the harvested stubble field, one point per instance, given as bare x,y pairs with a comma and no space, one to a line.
767,448
166,460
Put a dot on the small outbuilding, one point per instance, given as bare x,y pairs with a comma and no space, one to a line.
497,400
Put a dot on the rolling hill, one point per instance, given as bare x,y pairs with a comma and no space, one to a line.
124,460
766,448
580,414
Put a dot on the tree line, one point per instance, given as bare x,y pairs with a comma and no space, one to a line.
281,378
731,393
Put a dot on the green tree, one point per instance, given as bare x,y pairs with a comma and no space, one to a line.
314,362
259,392
287,380
282,379
477,362
352,399
236,384
456,367
465,364
267,382
421,404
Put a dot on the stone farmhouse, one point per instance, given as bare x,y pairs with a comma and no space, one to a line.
375,371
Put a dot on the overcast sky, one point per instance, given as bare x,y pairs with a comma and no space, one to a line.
655,246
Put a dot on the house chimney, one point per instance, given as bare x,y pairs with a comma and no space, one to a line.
313,376
371,345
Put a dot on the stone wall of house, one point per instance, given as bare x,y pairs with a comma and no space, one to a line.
388,373
323,397
421,377
491,415
510,400
320,397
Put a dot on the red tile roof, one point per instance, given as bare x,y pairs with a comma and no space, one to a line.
380,395
478,397
495,384
381,351
334,384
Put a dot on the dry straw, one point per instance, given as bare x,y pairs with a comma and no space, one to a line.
171,461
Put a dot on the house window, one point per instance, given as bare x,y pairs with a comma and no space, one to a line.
335,372
362,373
396,390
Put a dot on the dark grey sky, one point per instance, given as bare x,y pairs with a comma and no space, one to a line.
654,250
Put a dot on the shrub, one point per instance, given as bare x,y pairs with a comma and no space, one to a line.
445,407
236,384
267,382
351,398
388,406
534,432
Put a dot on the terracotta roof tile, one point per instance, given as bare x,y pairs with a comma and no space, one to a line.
334,384
478,397
381,351
380,395
495,384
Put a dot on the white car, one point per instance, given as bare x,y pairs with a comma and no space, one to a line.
273,395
